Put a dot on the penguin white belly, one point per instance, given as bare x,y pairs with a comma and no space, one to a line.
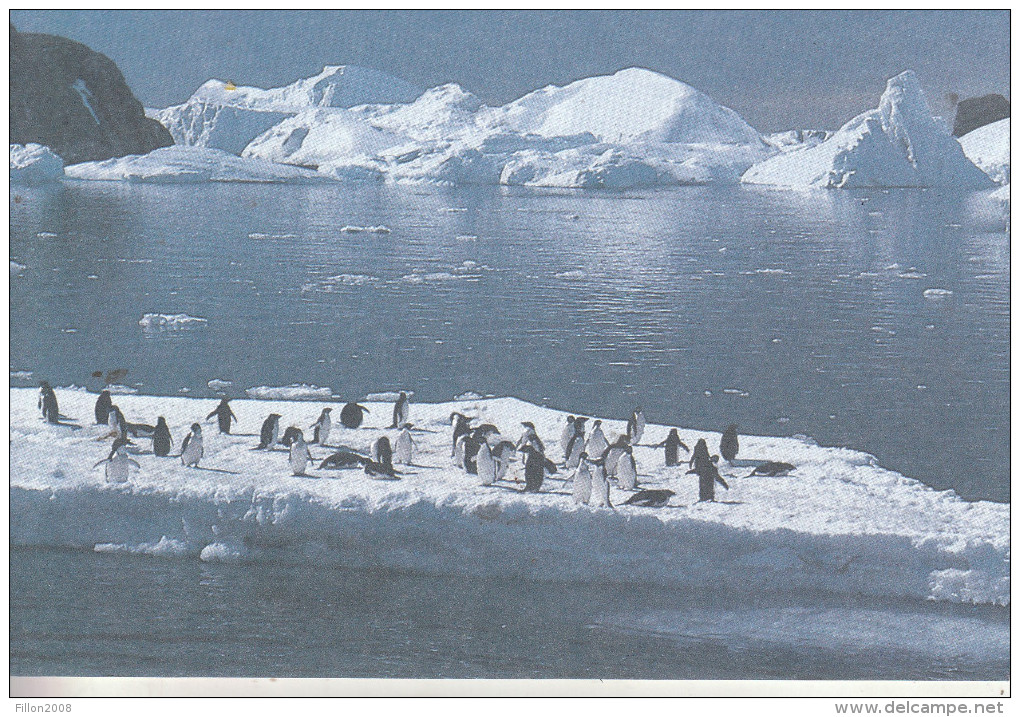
582,484
503,462
574,459
597,444
193,453
298,457
403,448
626,472
599,488
118,469
613,459
459,452
639,428
325,426
486,465
568,433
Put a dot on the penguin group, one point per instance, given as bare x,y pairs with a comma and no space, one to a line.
592,461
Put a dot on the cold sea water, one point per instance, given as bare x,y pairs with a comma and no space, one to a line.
785,312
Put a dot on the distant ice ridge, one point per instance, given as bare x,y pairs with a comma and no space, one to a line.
170,321
35,164
988,148
181,165
840,523
294,392
899,144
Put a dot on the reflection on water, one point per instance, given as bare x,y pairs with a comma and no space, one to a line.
784,312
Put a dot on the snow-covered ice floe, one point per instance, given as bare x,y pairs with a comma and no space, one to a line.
155,322
899,144
839,523
988,148
35,164
294,392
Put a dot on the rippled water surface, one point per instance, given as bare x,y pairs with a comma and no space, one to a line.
784,312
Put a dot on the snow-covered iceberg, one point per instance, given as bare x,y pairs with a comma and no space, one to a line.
839,523
180,164
988,148
35,164
899,144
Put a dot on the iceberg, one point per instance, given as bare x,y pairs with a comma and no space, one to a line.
988,148
840,523
33,164
899,144
179,165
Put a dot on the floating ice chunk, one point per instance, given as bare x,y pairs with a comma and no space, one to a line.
385,396
218,384
46,235
33,164
153,322
988,148
468,396
166,547
294,392
117,389
351,229
937,293
736,392
571,275
467,237
17,268
260,235
912,275
21,375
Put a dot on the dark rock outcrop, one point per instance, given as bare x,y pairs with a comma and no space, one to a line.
979,111
76,102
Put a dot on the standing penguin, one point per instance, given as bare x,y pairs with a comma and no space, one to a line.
672,446
403,447
103,404
48,403
535,467
161,440
322,427
352,414
486,465
597,443
118,465
223,416
599,483
708,476
700,456
461,427
636,425
270,432
626,471
530,435
582,482
616,449
728,444
568,433
503,452
299,454
575,449
116,421
401,410
191,448
382,452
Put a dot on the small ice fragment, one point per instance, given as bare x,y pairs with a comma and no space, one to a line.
153,322
921,387
467,237
707,392
937,293
218,384
570,275
22,375
468,396
350,229
17,268
46,235
294,392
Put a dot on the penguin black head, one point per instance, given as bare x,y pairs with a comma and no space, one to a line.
403,395
715,459
327,410
196,428
528,424
160,421
104,393
408,426
579,421
119,443
637,409
44,385
275,416
732,428
570,419
672,432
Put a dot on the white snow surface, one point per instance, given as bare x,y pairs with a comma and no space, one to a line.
179,164
838,523
988,148
899,144
33,164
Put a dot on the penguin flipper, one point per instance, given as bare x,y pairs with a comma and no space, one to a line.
684,446
105,460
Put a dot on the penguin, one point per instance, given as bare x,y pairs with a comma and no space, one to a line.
270,432
575,448
535,467
486,465
568,433
473,442
299,454
103,404
322,427
636,425
115,420
344,459
223,415
728,444
582,482
382,452
48,403
708,476
191,448
579,426
597,444
530,435
118,465
139,430
461,427
616,449
672,444
626,471
400,410
650,498
403,447
772,469
460,450
161,440
700,456
504,453
290,435
352,414
380,471
599,497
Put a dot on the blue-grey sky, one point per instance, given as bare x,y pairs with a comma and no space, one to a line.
778,70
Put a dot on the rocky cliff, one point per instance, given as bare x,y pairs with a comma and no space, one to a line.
75,101
979,111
